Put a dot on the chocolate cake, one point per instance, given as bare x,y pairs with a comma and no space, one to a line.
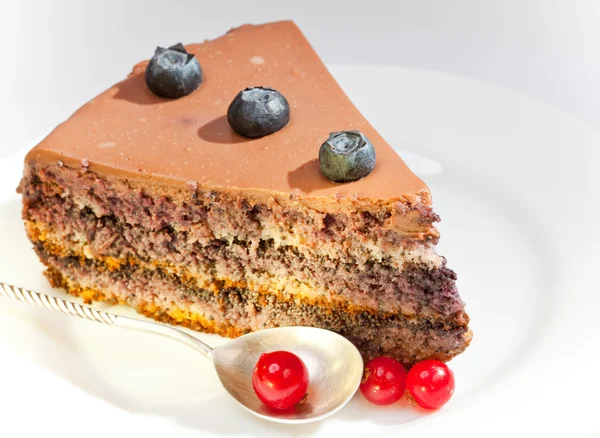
159,204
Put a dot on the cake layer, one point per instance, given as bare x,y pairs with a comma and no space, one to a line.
376,231
415,291
234,311
344,260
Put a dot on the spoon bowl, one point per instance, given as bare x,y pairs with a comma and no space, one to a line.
334,366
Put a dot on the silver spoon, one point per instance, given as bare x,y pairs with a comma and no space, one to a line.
334,365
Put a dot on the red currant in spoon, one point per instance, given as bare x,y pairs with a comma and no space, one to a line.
280,379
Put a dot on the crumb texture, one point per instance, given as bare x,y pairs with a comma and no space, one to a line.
232,311
228,264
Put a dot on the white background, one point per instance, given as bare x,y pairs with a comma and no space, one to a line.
57,54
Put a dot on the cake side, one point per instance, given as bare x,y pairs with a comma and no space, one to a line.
233,311
349,261
100,239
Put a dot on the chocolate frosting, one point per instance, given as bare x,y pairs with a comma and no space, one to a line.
129,132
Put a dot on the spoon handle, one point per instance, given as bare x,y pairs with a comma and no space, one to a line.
73,309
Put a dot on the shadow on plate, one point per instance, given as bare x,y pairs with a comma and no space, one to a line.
542,262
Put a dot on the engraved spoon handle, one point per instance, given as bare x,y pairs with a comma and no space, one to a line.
73,309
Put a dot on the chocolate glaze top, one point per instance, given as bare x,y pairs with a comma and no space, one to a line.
129,132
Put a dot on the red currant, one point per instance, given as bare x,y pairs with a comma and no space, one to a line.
384,381
280,379
431,383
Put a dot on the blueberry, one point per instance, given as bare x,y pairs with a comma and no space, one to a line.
173,72
258,111
347,156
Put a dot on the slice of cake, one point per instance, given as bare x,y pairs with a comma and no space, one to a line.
158,203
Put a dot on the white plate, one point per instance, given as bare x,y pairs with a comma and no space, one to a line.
516,185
